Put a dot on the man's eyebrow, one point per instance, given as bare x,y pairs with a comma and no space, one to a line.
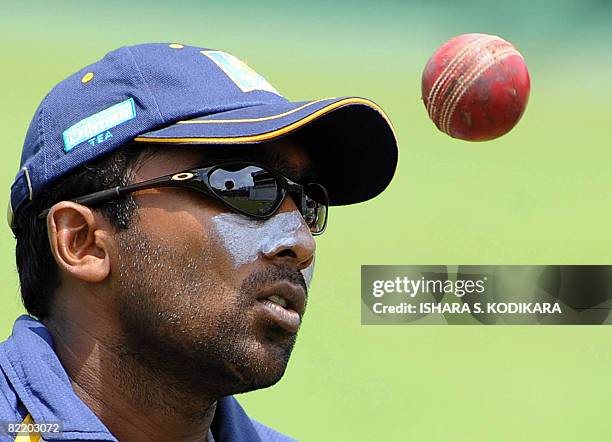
305,174
279,162
272,159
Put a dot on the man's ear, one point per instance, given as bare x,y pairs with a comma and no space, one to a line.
79,241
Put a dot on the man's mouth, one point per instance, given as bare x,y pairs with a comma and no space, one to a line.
278,300
283,303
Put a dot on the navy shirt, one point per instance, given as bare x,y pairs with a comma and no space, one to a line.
32,380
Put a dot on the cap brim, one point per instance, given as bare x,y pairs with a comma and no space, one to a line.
350,139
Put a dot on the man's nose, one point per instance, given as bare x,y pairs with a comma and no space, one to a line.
291,240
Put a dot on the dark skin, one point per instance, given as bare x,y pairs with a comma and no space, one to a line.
155,324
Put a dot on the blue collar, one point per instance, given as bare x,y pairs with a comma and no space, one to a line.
40,382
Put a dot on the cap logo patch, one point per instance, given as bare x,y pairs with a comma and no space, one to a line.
97,126
240,73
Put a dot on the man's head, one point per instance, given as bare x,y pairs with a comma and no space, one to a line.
177,280
203,303
187,278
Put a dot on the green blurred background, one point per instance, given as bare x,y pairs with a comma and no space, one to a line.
540,195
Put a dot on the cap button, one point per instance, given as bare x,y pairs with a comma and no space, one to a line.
176,46
87,77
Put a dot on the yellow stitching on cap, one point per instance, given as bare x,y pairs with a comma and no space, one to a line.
87,77
252,120
278,132
27,175
176,46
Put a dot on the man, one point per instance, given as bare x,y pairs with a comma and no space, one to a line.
164,215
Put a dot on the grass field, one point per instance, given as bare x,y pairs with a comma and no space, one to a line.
540,195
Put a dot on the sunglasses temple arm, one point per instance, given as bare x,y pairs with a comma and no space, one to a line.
97,197
107,194
92,198
119,191
115,192
164,181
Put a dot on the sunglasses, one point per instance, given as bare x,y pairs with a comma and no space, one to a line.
246,188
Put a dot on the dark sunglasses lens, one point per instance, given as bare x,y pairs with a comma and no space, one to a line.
247,188
315,208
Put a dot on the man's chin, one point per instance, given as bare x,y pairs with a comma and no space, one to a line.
257,382
263,369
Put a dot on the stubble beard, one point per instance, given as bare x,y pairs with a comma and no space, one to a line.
175,352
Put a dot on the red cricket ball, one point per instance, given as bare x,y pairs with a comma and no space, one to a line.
475,87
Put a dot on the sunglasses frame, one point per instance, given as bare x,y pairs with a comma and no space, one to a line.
198,179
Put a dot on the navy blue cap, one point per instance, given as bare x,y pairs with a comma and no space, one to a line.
185,95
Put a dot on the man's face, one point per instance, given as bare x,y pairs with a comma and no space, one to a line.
192,277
